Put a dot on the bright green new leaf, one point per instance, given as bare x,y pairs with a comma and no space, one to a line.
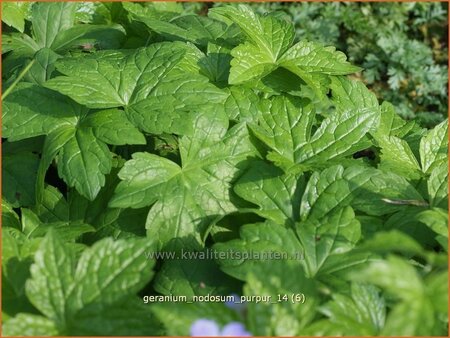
242,104
14,14
26,324
396,156
438,185
286,126
276,194
269,46
190,197
436,219
434,147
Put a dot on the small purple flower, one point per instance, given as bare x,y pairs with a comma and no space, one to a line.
235,329
207,327
204,327
236,304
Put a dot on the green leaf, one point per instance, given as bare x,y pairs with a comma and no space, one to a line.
94,80
285,317
434,147
31,110
392,241
164,10
408,319
83,162
312,57
190,197
16,263
242,104
194,274
53,144
216,64
397,157
260,239
175,104
193,28
391,124
19,178
152,79
49,19
107,273
335,233
363,313
285,126
10,244
25,324
97,36
122,318
405,220
394,275
337,187
269,47
112,126
14,14
144,179
270,34
9,217
437,291
341,265
43,67
21,46
53,207
110,271
249,63
268,38
436,219
76,136
276,195
67,231
51,279
15,273
438,185
342,133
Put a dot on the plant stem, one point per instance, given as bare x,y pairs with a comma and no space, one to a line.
16,81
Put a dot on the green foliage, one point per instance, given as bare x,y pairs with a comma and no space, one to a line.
137,133
402,48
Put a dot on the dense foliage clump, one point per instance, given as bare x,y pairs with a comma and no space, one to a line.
401,46
152,153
